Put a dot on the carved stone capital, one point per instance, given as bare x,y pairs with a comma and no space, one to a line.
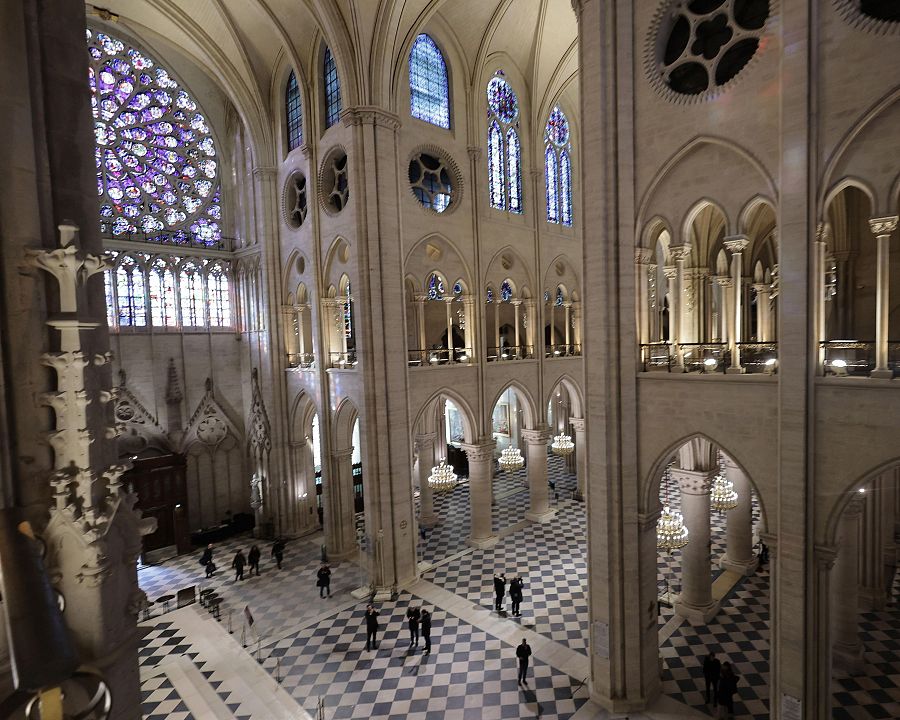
642,255
480,452
883,225
670,272
265,173
736,244
425,441
370,115
680,252
343,454
538,436
578,424
693,482
722,280
474,151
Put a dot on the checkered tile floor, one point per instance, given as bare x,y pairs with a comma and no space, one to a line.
468,674
160,700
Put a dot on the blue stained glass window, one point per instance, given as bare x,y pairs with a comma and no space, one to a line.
293,113
219,297
565,188
110,298
332,90
457,288
550,178
558,168
190,283
429,94
560,297
495,167
514,169
506,291
163,308
502,100
130,291
156,161
490,295
348,313
435,287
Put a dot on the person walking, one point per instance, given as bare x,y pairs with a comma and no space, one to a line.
324,580
371,627
499,591
523,652
413,616
238,565
515,594
278,552
253,560
426,630
712,669
206,560
727,688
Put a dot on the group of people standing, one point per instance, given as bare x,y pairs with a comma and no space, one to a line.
515,594
721,684
417,619
239,562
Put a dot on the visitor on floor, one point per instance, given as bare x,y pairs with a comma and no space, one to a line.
515,594
253,560
711,671
523,652
278,552
238,565
426,630
324,580
499,591
413,616
206,560
371,627
727,688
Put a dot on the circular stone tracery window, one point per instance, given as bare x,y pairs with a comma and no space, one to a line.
699,46
434,180
294,201
881,17
334,182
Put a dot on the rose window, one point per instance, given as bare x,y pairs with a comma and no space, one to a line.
157,173
433,181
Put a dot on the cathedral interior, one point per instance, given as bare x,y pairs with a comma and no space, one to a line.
596,295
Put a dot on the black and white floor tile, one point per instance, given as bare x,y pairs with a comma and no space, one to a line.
161,701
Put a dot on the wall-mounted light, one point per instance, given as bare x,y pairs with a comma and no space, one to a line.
839,367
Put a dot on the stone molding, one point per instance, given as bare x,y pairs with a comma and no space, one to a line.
343,453
578,424
647,521
479,452
825,556
736,244
693,482
883,225
537,436
370,115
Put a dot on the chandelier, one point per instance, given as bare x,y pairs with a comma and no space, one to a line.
671,533
722,495
562,445
442,478
511,459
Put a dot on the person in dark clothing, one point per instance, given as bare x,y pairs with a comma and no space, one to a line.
426,630
278,552
371,627
324,580
523,652
238,565
499,591
206,560
727,688
712,668
253,560
413,616
515,594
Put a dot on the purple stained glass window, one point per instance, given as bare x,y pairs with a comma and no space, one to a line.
219,295
550,178
514,170
558,127
504,148
565,188
190,281
163,308
506,291
502,100
110,298
130,295
496,167
157,168
429,93
558,168
435,287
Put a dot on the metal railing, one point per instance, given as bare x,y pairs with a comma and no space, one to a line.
510,352
843,358
657,357
709,358
759,357
343,360
439,356
563,350
301,360
705,357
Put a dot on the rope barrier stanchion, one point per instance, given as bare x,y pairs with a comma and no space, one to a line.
244,635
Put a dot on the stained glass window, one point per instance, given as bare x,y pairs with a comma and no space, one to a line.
429,94
435,287
157,174
219,297
332,90
490,295
190,281
558,168
506,291
457,288
504,168
293,113
348,313
560,296
110,298
163,310
130,295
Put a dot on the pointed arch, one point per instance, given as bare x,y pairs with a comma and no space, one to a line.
293,112
428,86
575,394
525,398
465,411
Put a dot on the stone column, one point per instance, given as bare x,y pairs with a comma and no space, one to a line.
449,307
568,333
819,251
696,602
497,324
469,315
871,586
681,254
889,487
481,461
580,430
846,645
739,556
669,272
882,228
536,447
736,244
762,315
340,514
642,257
425,450
516,306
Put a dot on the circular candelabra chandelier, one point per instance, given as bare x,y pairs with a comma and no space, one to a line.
671,534
562,445
722,495
442,478
511,459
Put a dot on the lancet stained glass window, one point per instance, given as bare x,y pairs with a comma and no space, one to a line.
504,147
332,89
435,287
110,298
506,291
293,110
348,313
163,306
219,297
157,174
130,293
558,168
190,280
429,94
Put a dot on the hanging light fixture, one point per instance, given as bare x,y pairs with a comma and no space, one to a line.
562,445
671,533
511,459
722,495
442,478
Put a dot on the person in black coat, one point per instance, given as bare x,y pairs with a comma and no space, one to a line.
413,616
253,560
206,560
727,688
523,652
238,565
515,594
278,552
426,630
371,627
499,591
323,580
712,668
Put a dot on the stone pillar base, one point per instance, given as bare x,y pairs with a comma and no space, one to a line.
362,593
696,615
341,556
541,517
383,594
735,371
428,521
483,543
741,567
882,373
849,658
578,495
